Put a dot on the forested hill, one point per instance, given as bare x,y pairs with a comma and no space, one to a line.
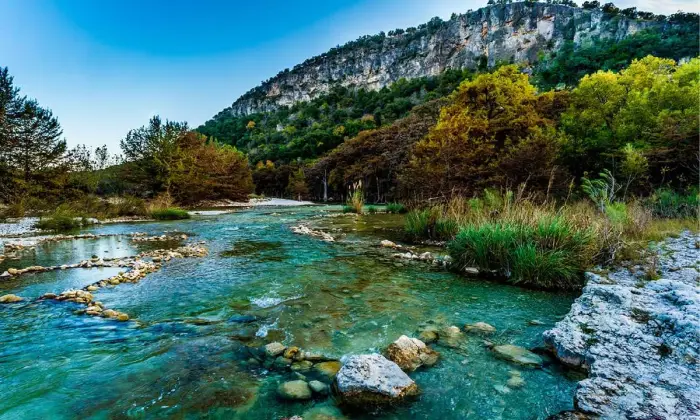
308,111
516,32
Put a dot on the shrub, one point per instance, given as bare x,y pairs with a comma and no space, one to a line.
128,206
371,209
671,204
171,213
357,200
60,221
348,209
549,253
396,208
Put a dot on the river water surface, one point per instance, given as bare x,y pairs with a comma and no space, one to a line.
183,353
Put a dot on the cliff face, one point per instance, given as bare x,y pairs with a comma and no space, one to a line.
513,33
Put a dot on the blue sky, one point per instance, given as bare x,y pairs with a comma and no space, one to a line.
106,66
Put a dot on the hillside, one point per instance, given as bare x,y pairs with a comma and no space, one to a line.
517,32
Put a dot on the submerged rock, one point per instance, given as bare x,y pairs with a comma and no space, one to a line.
274,349
294,390
318,387
517,354
411,353
10,299
639,340
429,335
480,327
371,380
328,369
451,336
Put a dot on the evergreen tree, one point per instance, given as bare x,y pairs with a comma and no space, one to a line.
36,144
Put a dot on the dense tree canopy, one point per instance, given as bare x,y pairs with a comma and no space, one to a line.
309,129
491,121
652,105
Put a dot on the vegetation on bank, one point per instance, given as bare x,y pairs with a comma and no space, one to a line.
548,245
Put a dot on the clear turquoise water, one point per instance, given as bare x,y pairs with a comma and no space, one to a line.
182,357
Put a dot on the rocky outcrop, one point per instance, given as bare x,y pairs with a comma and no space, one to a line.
370,380
639,340
515,32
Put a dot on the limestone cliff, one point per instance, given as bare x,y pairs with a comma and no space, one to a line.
517,32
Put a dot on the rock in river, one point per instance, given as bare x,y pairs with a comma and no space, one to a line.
480,328
370,380
411,353
274,349
328,369
518,355
10,299
294,390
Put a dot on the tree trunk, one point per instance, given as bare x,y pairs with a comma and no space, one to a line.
325,186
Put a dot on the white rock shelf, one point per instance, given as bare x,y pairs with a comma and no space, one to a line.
638,339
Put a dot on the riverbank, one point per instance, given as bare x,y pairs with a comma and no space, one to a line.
638,338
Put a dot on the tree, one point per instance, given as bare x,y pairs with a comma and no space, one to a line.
153,151
651,105
297,184
36,143
206,170
469,147
590,5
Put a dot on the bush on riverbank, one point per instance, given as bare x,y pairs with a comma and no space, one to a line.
540,244
548,253
172,213
60,221
395,208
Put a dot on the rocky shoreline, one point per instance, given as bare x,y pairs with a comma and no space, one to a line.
638,339
137,270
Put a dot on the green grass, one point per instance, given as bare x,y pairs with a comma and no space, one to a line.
60,221
671,204
171,213
430,224
371,209
396,208
348,209
548,254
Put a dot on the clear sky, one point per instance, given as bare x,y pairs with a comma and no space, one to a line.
106,66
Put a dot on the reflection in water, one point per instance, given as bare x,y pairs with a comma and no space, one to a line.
186,356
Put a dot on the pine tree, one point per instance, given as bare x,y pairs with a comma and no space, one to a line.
30,136
36,144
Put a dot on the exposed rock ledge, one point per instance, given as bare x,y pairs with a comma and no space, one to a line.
639,340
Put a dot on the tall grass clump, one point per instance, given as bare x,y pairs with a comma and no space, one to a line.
372,209
548,252
431,223
172,213
357,199
163,208
395,208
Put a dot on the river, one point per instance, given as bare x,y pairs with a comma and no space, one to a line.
183,354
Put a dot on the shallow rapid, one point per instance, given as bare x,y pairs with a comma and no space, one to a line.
183,351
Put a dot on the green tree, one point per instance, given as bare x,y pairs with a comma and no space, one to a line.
652,105
154,151
297,184
468,148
